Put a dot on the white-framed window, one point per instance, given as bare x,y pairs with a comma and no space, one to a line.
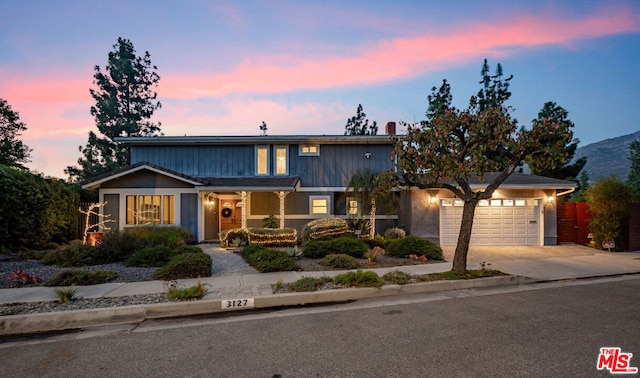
309,150
281,160
319,205
352,207
262,160
150,209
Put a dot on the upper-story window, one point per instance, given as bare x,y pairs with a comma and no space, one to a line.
309,150
281,160
262,160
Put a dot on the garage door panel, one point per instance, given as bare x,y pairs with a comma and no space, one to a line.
495,224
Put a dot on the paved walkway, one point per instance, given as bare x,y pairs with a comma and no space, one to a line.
233,278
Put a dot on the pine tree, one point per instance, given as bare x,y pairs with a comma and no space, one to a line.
13,152
359,124
125,101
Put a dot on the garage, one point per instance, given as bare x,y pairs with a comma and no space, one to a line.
508,221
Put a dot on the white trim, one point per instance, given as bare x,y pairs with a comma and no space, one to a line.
124,192
327,198
95,184
302,153
257,148
277,147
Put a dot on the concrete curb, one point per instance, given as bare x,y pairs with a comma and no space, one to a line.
67,320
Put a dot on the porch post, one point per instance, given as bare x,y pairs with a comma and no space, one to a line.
281,195
243,212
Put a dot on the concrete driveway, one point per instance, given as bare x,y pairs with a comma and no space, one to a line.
557,262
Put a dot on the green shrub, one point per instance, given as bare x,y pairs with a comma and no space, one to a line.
157,255
348,245
324,227
250,250
182,294
186,265
66,294
378,241
359,279
396,277
74,256
270,222
187,249
309,283
316,249
413,245
339,261
282,237
120,245
394,233
171,237
270,260
81,277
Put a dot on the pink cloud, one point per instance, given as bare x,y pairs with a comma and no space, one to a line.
400,58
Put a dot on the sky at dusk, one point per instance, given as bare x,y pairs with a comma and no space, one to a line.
304,66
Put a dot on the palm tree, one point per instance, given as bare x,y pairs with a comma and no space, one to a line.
363,184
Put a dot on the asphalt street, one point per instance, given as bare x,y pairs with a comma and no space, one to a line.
539,330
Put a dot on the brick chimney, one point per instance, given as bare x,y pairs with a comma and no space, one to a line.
390,128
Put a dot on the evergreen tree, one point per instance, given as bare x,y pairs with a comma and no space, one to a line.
359,124
633,179
13,152
125,101
551,112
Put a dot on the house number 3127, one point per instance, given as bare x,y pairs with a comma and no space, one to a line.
230,304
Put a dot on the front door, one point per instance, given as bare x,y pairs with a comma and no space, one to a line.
230,214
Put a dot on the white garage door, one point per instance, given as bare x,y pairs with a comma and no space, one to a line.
496,222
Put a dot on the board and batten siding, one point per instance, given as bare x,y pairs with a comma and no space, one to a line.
189,213
200,161
337,163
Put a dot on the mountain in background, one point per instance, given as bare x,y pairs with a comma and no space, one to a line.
608,157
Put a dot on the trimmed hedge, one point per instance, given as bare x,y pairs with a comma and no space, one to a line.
147,257
271,237
186,265
324,227
413,245
229,236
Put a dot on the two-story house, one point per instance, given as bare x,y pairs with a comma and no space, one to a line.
213,183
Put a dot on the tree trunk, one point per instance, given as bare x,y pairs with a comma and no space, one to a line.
462,248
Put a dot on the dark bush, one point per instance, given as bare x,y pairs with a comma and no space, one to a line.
172,237
81,277
360,278
249,250
74,255
349,246
413,245
372,243
147,257
339,261
120,245
316,249
186,265
271,260
187,249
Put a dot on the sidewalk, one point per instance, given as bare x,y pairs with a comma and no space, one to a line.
233,279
